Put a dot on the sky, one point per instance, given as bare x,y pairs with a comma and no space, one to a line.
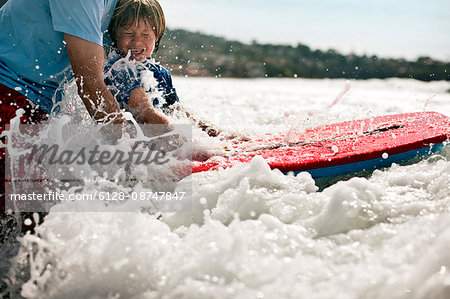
387,28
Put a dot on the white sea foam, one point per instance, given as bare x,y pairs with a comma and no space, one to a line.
256,233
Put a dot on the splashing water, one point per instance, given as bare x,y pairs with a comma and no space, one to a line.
254,232
425,106
311,118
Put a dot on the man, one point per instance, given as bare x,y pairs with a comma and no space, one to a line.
39,41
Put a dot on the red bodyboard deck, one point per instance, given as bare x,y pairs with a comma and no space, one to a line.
338,144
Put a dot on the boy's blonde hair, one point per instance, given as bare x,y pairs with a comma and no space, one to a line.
129,12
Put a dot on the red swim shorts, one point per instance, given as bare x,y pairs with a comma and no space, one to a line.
10,102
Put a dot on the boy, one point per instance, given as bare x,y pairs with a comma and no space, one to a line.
136,29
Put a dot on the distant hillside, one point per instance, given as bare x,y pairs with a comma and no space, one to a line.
196,54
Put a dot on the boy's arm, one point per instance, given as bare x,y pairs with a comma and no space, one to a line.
87,61
209,128
142,109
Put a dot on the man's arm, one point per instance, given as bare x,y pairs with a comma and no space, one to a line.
87,60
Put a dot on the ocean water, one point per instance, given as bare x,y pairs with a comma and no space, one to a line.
254,232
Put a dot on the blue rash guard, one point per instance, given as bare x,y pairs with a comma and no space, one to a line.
122,75
33,56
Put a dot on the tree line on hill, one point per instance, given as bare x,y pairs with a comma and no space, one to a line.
187,53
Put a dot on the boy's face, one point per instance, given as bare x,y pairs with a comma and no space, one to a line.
140,40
